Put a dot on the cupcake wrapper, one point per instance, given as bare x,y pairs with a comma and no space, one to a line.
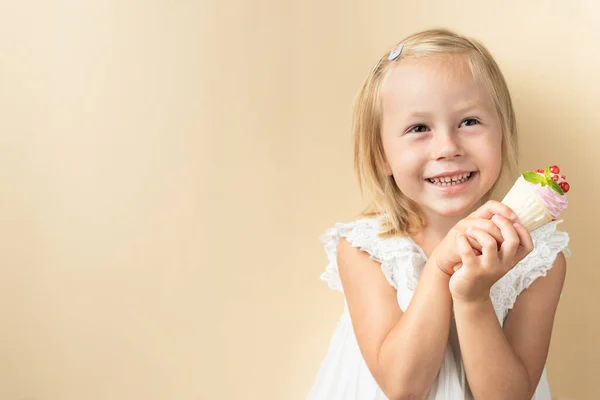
530,208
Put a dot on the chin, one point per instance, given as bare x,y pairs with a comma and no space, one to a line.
453,212
458,210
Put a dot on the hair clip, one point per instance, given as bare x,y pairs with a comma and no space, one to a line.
395,53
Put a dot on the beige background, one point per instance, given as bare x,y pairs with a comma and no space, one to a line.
166,168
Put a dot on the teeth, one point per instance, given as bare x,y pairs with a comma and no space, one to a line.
450,180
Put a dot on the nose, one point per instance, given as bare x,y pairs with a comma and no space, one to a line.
445,145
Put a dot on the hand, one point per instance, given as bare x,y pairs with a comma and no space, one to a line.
478,274
446,254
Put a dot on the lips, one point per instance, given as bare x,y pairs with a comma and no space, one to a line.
451,178
450,174
452,187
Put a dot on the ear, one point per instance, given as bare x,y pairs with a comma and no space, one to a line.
387,170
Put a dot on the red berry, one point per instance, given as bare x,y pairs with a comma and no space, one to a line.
564,177
565,186
554,169
554,178
539,171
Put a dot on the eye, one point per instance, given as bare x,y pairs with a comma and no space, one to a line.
470,122
417,129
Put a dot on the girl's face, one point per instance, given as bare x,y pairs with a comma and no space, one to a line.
438,121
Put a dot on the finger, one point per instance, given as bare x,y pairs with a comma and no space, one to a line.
526,242
488,226
465,251
492,207
474,245
511,243
484,224
489,245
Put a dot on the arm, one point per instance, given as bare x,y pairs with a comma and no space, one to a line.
508,364
403,351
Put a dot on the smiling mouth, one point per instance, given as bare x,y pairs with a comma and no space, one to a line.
443,182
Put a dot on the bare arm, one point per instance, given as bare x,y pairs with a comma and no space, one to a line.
508,364
403,351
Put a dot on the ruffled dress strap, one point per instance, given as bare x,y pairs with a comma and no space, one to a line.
547,242
397,255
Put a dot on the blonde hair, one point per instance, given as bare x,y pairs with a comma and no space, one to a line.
402,216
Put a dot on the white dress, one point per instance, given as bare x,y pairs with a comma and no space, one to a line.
343,374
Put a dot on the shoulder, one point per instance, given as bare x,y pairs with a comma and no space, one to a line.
346,242
549,254
547,290
360,271
357,244
558,272
348,254
546,260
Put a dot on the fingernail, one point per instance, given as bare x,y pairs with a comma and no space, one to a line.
513,216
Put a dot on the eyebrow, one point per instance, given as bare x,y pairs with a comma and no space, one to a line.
417,114
468,107
460,110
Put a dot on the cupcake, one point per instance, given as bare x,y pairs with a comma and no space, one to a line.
538,197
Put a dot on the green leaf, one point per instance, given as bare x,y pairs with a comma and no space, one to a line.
533,177
547,173
556,187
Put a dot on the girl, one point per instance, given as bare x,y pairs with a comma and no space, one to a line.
434,273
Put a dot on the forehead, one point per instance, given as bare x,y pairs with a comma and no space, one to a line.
434,83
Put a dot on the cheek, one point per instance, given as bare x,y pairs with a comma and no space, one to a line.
406,164
490,152
407,170
403,156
